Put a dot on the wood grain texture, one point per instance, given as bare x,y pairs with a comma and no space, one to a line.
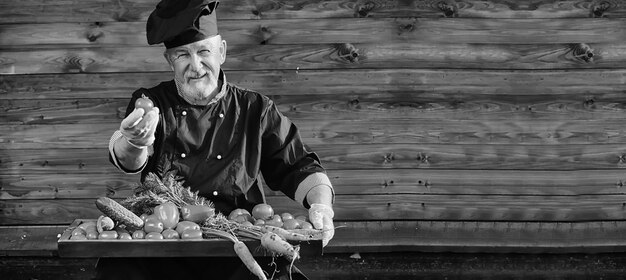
391,107
374,207
338,30
414,84
70,59
364,182
365,156
365,131
15,11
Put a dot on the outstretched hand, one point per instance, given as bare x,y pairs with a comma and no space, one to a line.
139,128
321,217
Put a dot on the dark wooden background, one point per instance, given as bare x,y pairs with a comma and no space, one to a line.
444,124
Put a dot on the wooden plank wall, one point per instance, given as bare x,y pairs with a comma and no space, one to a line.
456,111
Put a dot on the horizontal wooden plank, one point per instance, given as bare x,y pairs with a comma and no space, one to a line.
363,156
389,107
470,236
30,240
59,184
373,207
62,59
414,84
364,131
338,30
131,10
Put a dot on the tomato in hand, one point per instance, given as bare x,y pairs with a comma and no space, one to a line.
145,103
262,211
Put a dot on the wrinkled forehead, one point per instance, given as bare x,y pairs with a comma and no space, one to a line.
211,43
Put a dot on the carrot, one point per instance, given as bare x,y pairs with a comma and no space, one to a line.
280,246
246,257
287,234
241,250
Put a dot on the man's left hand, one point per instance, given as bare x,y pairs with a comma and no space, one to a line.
321,216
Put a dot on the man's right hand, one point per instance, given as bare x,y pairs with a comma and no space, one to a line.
139,128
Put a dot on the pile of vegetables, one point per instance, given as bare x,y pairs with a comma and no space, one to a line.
165,209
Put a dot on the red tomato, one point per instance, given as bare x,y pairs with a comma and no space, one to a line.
139,234
306,225
192,234
286,216
170,234
262,211
182,226
108,234
125,236
291,224
145,103
153,224
239,211
154,236
259,222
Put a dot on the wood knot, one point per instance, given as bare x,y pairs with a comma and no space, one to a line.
348,52
265,34
588,103
388,158
598,9
422,157
363,10
622,158
353,103
449,10
583,52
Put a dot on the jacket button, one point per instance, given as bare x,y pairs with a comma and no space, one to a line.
214,193
183,155
219,156
184,113
221,115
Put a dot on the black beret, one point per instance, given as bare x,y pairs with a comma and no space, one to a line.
180,22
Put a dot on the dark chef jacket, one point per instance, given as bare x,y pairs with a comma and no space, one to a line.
220,148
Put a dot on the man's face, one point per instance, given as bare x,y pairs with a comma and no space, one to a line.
197,66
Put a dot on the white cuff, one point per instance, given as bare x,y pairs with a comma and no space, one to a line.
310,182
117,135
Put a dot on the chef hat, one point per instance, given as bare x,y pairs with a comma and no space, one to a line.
180,22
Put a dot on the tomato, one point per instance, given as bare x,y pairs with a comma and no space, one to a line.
275,223
108,234
144,103
244,218
306,225
144,216
239,211
286,216
170,234
191,234
259,222
185,225
168,214
139,234
277,218
79,231
301,218
125,236
262,211
153,224
291,224
92,234
78,237
196,213
247,223
154,236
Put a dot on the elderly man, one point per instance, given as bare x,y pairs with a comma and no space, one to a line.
219,137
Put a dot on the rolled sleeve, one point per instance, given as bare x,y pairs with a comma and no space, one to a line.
311,181
113,158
